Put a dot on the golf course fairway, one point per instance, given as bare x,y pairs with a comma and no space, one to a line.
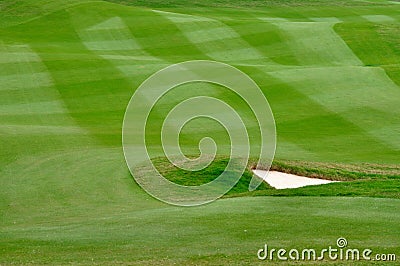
330,71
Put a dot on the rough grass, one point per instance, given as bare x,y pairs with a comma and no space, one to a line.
365,180
338,171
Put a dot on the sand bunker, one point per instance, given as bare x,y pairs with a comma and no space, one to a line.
280,180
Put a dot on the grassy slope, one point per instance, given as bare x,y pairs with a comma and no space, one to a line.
227,232
66,195
251,4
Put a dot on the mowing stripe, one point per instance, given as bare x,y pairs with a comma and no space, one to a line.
182,18
109,35
34,115
112,35
378,18
25,81
327,19
211,34
386,133
109,24
215,39
130,57
28,85
112,45
83,75
273,19
316,43
22,68
113,41
13,55
344,89
39,130
36,108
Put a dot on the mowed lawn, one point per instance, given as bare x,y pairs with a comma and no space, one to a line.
329,69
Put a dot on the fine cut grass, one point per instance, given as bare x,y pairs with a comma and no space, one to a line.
329,69
229,231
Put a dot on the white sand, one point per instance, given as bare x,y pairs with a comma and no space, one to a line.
280,180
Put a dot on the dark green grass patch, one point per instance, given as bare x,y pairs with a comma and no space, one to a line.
365,180
376,44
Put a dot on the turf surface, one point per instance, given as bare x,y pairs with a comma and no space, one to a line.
330,70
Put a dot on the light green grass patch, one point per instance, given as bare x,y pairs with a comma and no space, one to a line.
327,19
378,18
316,43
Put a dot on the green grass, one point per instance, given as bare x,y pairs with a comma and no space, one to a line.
329,69
229,231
